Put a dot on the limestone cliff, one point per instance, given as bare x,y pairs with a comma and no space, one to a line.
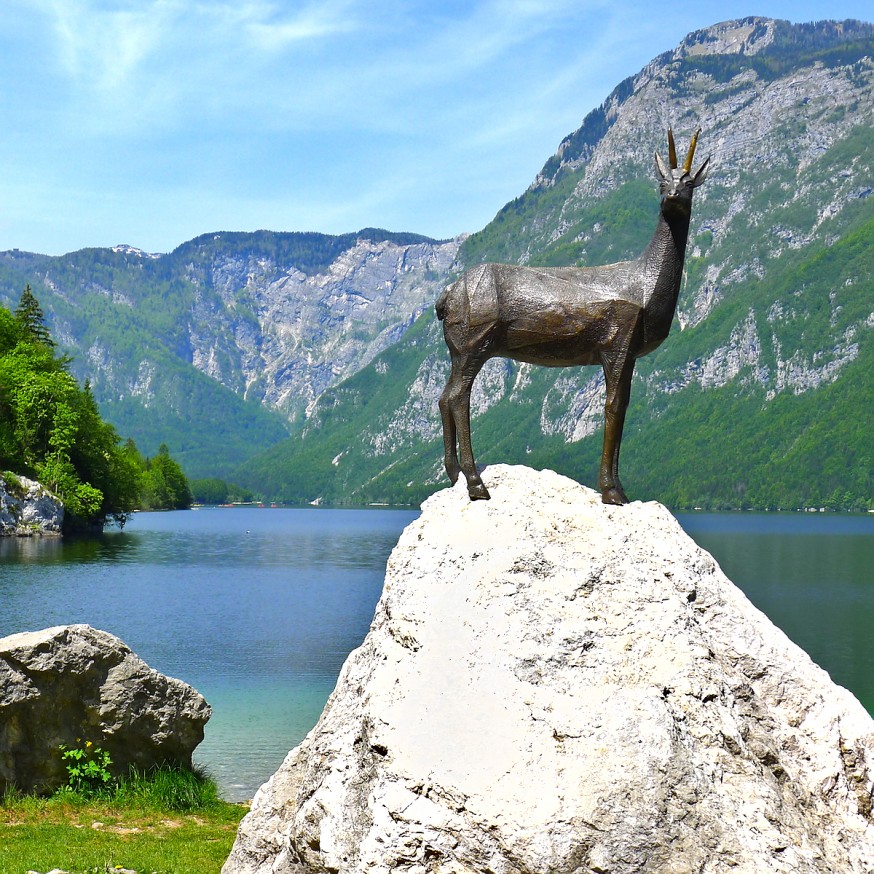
553,685
282,335
28,508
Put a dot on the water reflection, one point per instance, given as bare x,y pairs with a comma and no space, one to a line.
112,546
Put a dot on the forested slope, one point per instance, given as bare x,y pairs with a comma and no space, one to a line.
219,347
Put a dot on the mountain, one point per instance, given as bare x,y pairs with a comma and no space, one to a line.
761,396
219,348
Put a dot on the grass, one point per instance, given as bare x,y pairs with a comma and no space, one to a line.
167,822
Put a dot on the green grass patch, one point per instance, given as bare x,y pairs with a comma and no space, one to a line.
167,822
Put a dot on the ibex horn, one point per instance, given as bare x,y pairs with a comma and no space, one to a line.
687,167
672,150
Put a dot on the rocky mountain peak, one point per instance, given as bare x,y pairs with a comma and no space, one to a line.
746,36
771,303
125,249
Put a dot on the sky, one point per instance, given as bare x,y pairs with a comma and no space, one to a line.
149,122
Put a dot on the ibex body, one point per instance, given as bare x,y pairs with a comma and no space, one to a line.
563,316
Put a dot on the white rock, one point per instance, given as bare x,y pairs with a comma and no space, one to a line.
27,508
553,685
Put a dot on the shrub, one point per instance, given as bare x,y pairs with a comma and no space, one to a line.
87,770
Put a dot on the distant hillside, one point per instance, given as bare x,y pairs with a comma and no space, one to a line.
219,348
760,396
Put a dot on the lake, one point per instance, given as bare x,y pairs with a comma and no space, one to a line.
258,608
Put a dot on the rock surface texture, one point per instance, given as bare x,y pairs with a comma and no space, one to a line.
28,508
553,685
73,683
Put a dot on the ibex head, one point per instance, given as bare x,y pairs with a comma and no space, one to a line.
677,184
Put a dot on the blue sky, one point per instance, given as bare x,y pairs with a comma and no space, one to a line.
149,122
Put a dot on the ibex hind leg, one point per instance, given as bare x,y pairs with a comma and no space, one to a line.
450,453
476,489
456,399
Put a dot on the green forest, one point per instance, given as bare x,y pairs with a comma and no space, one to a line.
209,426
51,430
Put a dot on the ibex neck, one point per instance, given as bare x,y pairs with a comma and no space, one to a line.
664,256
662,263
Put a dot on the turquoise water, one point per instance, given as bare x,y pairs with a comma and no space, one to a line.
258,608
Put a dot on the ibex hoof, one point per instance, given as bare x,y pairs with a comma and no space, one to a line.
478,492
613,496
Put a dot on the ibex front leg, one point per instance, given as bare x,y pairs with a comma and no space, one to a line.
618,367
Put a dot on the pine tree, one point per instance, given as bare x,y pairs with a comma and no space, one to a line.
166,486
30,316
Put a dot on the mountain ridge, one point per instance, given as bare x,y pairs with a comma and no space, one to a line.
773,214
251,326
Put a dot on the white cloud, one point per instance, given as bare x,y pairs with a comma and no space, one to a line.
175,56
300,114
270,30
103,47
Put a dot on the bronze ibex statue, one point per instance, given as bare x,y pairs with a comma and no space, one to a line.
564,316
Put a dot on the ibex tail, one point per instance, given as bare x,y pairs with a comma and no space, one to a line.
440,306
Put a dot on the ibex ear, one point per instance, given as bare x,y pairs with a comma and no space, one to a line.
701,175
661,169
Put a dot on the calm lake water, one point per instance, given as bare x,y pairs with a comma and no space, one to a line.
259,608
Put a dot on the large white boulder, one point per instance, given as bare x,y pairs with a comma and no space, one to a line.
72,684
554,685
